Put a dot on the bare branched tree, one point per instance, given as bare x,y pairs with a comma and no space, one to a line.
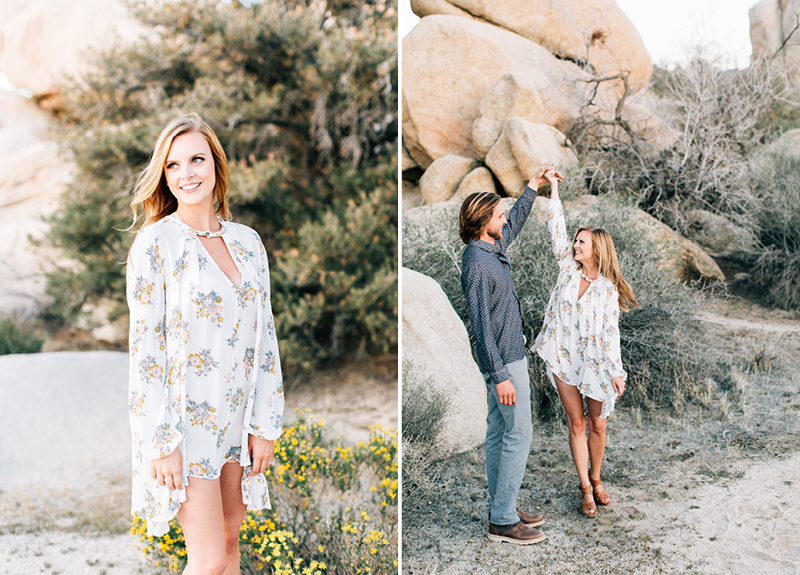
716,119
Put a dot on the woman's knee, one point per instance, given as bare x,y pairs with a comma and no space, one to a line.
209,564
597,425
577,424
232,541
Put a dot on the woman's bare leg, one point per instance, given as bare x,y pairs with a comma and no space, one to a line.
207,517
234,511
597,438
203,524
573,405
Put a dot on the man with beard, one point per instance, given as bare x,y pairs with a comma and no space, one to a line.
497,325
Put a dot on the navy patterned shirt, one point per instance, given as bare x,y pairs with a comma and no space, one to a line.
492,299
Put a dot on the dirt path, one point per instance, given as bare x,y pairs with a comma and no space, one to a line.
739,527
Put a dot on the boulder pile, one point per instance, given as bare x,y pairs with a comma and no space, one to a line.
490,89
44,43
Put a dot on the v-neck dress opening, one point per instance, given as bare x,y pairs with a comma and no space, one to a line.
218,269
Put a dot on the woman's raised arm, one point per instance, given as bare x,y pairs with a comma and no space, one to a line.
556,222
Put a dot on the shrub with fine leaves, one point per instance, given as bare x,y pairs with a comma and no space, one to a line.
303,97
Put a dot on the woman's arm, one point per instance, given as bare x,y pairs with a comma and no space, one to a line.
556,222
156,425
265,423
612,354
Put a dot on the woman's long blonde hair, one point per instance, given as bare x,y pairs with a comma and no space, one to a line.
605,256
151,189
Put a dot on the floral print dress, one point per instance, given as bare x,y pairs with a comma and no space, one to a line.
579,341
204,369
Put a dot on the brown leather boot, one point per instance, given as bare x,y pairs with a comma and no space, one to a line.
530,520
519,534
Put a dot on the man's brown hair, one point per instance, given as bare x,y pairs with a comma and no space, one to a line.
476,211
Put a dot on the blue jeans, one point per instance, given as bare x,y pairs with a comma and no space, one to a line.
508,442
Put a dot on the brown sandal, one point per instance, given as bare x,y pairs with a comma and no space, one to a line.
600,494
588,507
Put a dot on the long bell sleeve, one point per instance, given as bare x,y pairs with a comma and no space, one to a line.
154,415
557,226
154,382
612,355
266,410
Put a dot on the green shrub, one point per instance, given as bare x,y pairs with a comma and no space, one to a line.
334,509
18,336
659,341
303,97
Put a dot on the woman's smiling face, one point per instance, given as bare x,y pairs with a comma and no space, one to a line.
583,249
189,170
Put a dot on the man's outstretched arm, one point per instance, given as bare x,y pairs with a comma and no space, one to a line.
522,208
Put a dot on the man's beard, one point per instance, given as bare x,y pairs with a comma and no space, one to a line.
496,234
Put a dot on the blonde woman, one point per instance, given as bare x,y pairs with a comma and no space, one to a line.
579,341
206,398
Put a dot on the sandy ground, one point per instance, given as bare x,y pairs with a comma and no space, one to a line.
745,526
65,453
70,554
710,491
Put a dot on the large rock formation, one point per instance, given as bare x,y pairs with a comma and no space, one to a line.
522,149
45,41
42,43
766,27
449,63
478,180
22,123
513,96
435,343
594,33
774,30
440,181
504,82
32,175
31,180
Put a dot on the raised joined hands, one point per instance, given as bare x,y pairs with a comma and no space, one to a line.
546,174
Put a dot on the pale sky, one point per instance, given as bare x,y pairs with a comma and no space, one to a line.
671,29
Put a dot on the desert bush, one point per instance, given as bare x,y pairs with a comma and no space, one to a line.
776,270
18,336
303,97
431,246
659,341
714,120
424,410
714,155
334,509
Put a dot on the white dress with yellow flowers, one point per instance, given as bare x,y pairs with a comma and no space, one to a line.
204,368
579,341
